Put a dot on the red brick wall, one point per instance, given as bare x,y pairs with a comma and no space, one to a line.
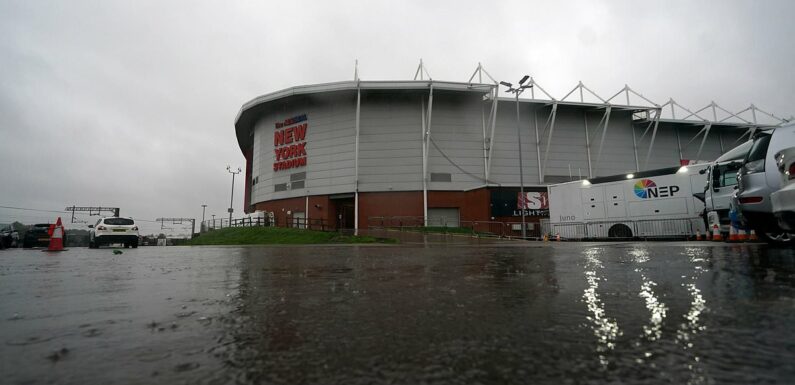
473,205
281,207
399,203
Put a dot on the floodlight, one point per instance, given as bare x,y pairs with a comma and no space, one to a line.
507,84
524,79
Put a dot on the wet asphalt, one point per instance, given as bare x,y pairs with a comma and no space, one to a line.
436,310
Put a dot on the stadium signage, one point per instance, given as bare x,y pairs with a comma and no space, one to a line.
647,189
289,142
534,203
508,202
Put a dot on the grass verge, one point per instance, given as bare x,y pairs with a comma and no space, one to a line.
278,236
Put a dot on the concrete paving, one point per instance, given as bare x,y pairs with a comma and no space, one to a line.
431,310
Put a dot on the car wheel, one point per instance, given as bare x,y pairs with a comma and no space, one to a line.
135,244
619,231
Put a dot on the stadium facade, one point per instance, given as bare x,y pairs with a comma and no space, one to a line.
355,152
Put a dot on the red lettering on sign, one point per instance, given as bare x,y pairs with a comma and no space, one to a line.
300,132
290,155
287,164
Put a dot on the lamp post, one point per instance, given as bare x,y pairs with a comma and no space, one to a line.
518,91
232,197
213,221
203,208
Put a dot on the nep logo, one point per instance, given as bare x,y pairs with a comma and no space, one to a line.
647,189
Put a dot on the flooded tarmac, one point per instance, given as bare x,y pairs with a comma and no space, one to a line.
435,312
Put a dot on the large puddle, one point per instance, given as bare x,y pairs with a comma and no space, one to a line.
422,313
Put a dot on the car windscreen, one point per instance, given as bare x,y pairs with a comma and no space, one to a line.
755,160
119,221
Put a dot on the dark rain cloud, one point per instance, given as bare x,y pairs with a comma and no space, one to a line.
132,103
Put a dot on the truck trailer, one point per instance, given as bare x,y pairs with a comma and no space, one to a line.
648,204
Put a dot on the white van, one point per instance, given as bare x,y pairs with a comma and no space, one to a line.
647,204
721,178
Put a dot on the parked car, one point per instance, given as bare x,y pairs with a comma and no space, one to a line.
8,238
758,178
37,235
783,200
109,230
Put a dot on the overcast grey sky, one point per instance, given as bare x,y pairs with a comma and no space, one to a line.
132,103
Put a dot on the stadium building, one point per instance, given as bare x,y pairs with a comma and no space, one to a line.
356,154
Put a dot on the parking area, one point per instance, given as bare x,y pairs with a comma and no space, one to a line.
434,309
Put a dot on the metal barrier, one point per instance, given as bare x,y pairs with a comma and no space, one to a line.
484,228
306,223
514,230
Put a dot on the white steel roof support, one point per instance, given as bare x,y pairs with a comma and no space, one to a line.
426,135
493,118
538,146
703,140
479,72
536,85
551,121
581,87
488,135
606,120
635,147
587,142
653,136
420,71
629,90
356,161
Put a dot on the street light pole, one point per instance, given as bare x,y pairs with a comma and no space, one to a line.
203,208
232,197
522,201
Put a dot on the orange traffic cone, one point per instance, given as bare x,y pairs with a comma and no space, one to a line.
716,236
557,237
733,234
56,236
741,237
698,234
752,237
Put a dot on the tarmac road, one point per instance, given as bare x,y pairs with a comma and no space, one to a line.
448,310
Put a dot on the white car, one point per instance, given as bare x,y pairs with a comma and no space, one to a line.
784,200
758,178
111,230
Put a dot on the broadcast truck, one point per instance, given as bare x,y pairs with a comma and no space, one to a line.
648,204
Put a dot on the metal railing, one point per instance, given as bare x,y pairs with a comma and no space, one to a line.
306,223
213,224
442,225
266,221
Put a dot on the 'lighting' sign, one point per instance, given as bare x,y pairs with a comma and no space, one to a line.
289,142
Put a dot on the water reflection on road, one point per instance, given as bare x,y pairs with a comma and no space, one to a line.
435,312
